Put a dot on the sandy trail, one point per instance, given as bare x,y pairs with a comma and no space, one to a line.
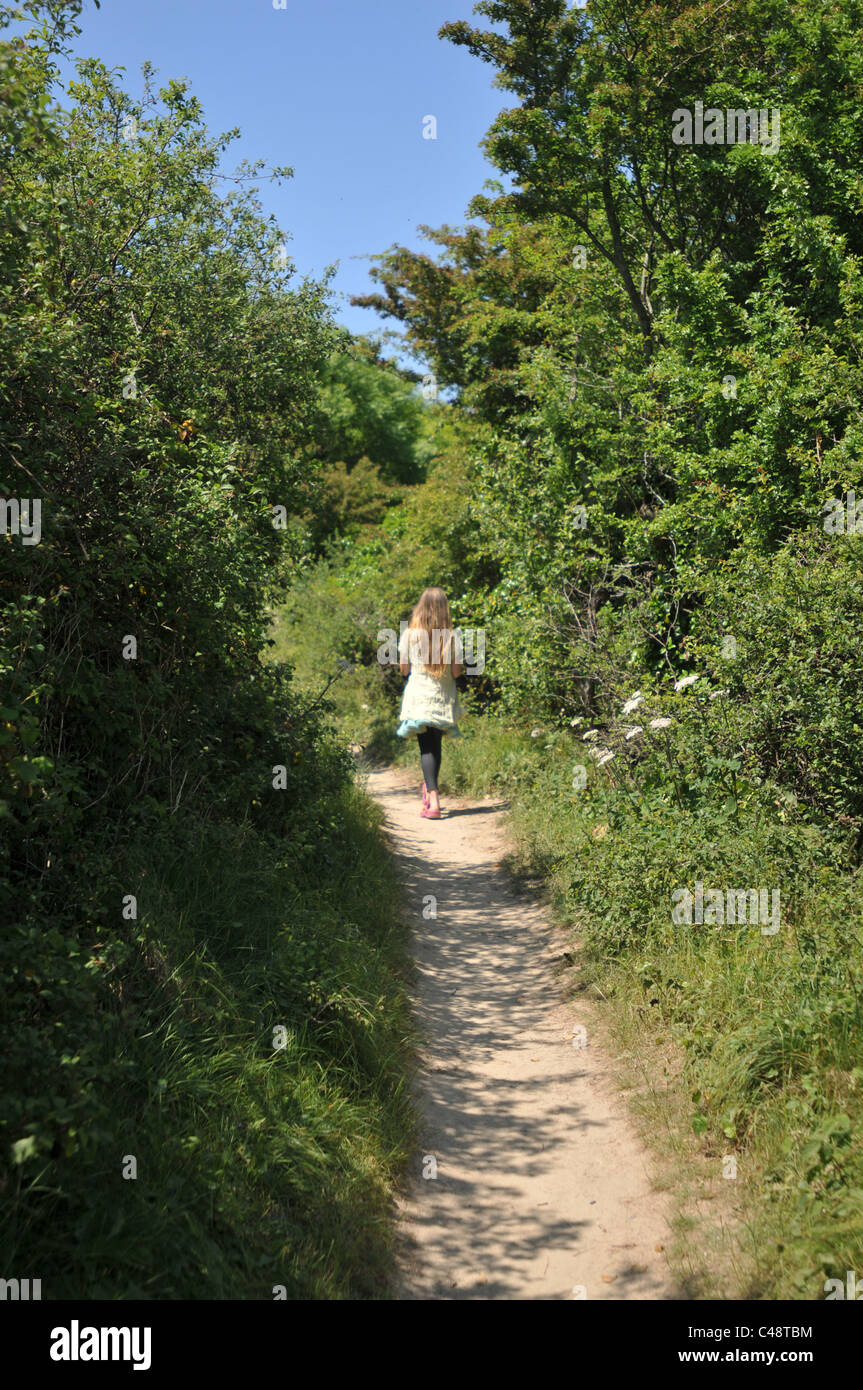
542,1189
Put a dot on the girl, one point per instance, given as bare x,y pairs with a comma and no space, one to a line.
430,703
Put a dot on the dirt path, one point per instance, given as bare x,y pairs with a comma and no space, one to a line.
542,1188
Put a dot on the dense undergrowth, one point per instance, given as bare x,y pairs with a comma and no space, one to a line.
202,1023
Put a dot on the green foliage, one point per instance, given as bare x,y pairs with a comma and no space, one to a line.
372,440
161,372
656,350
369,409
664,337
792,627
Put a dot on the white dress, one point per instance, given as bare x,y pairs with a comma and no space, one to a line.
427,700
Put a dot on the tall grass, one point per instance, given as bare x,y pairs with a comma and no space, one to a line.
263,1160
745,1049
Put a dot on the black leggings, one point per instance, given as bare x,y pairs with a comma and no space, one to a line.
430,745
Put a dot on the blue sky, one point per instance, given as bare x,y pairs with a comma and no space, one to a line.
338,90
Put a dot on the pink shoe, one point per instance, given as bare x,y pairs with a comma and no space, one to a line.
429,814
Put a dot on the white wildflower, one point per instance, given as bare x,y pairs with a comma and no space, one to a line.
660,723
607,756
590,735
634,732
714,694
684,682
633,702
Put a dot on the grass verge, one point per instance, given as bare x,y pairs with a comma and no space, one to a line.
249,1079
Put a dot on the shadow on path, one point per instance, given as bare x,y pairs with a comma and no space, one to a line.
531,1183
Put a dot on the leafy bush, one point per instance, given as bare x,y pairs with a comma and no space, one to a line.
172,810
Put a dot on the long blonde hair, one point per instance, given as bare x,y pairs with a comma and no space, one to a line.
431,617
